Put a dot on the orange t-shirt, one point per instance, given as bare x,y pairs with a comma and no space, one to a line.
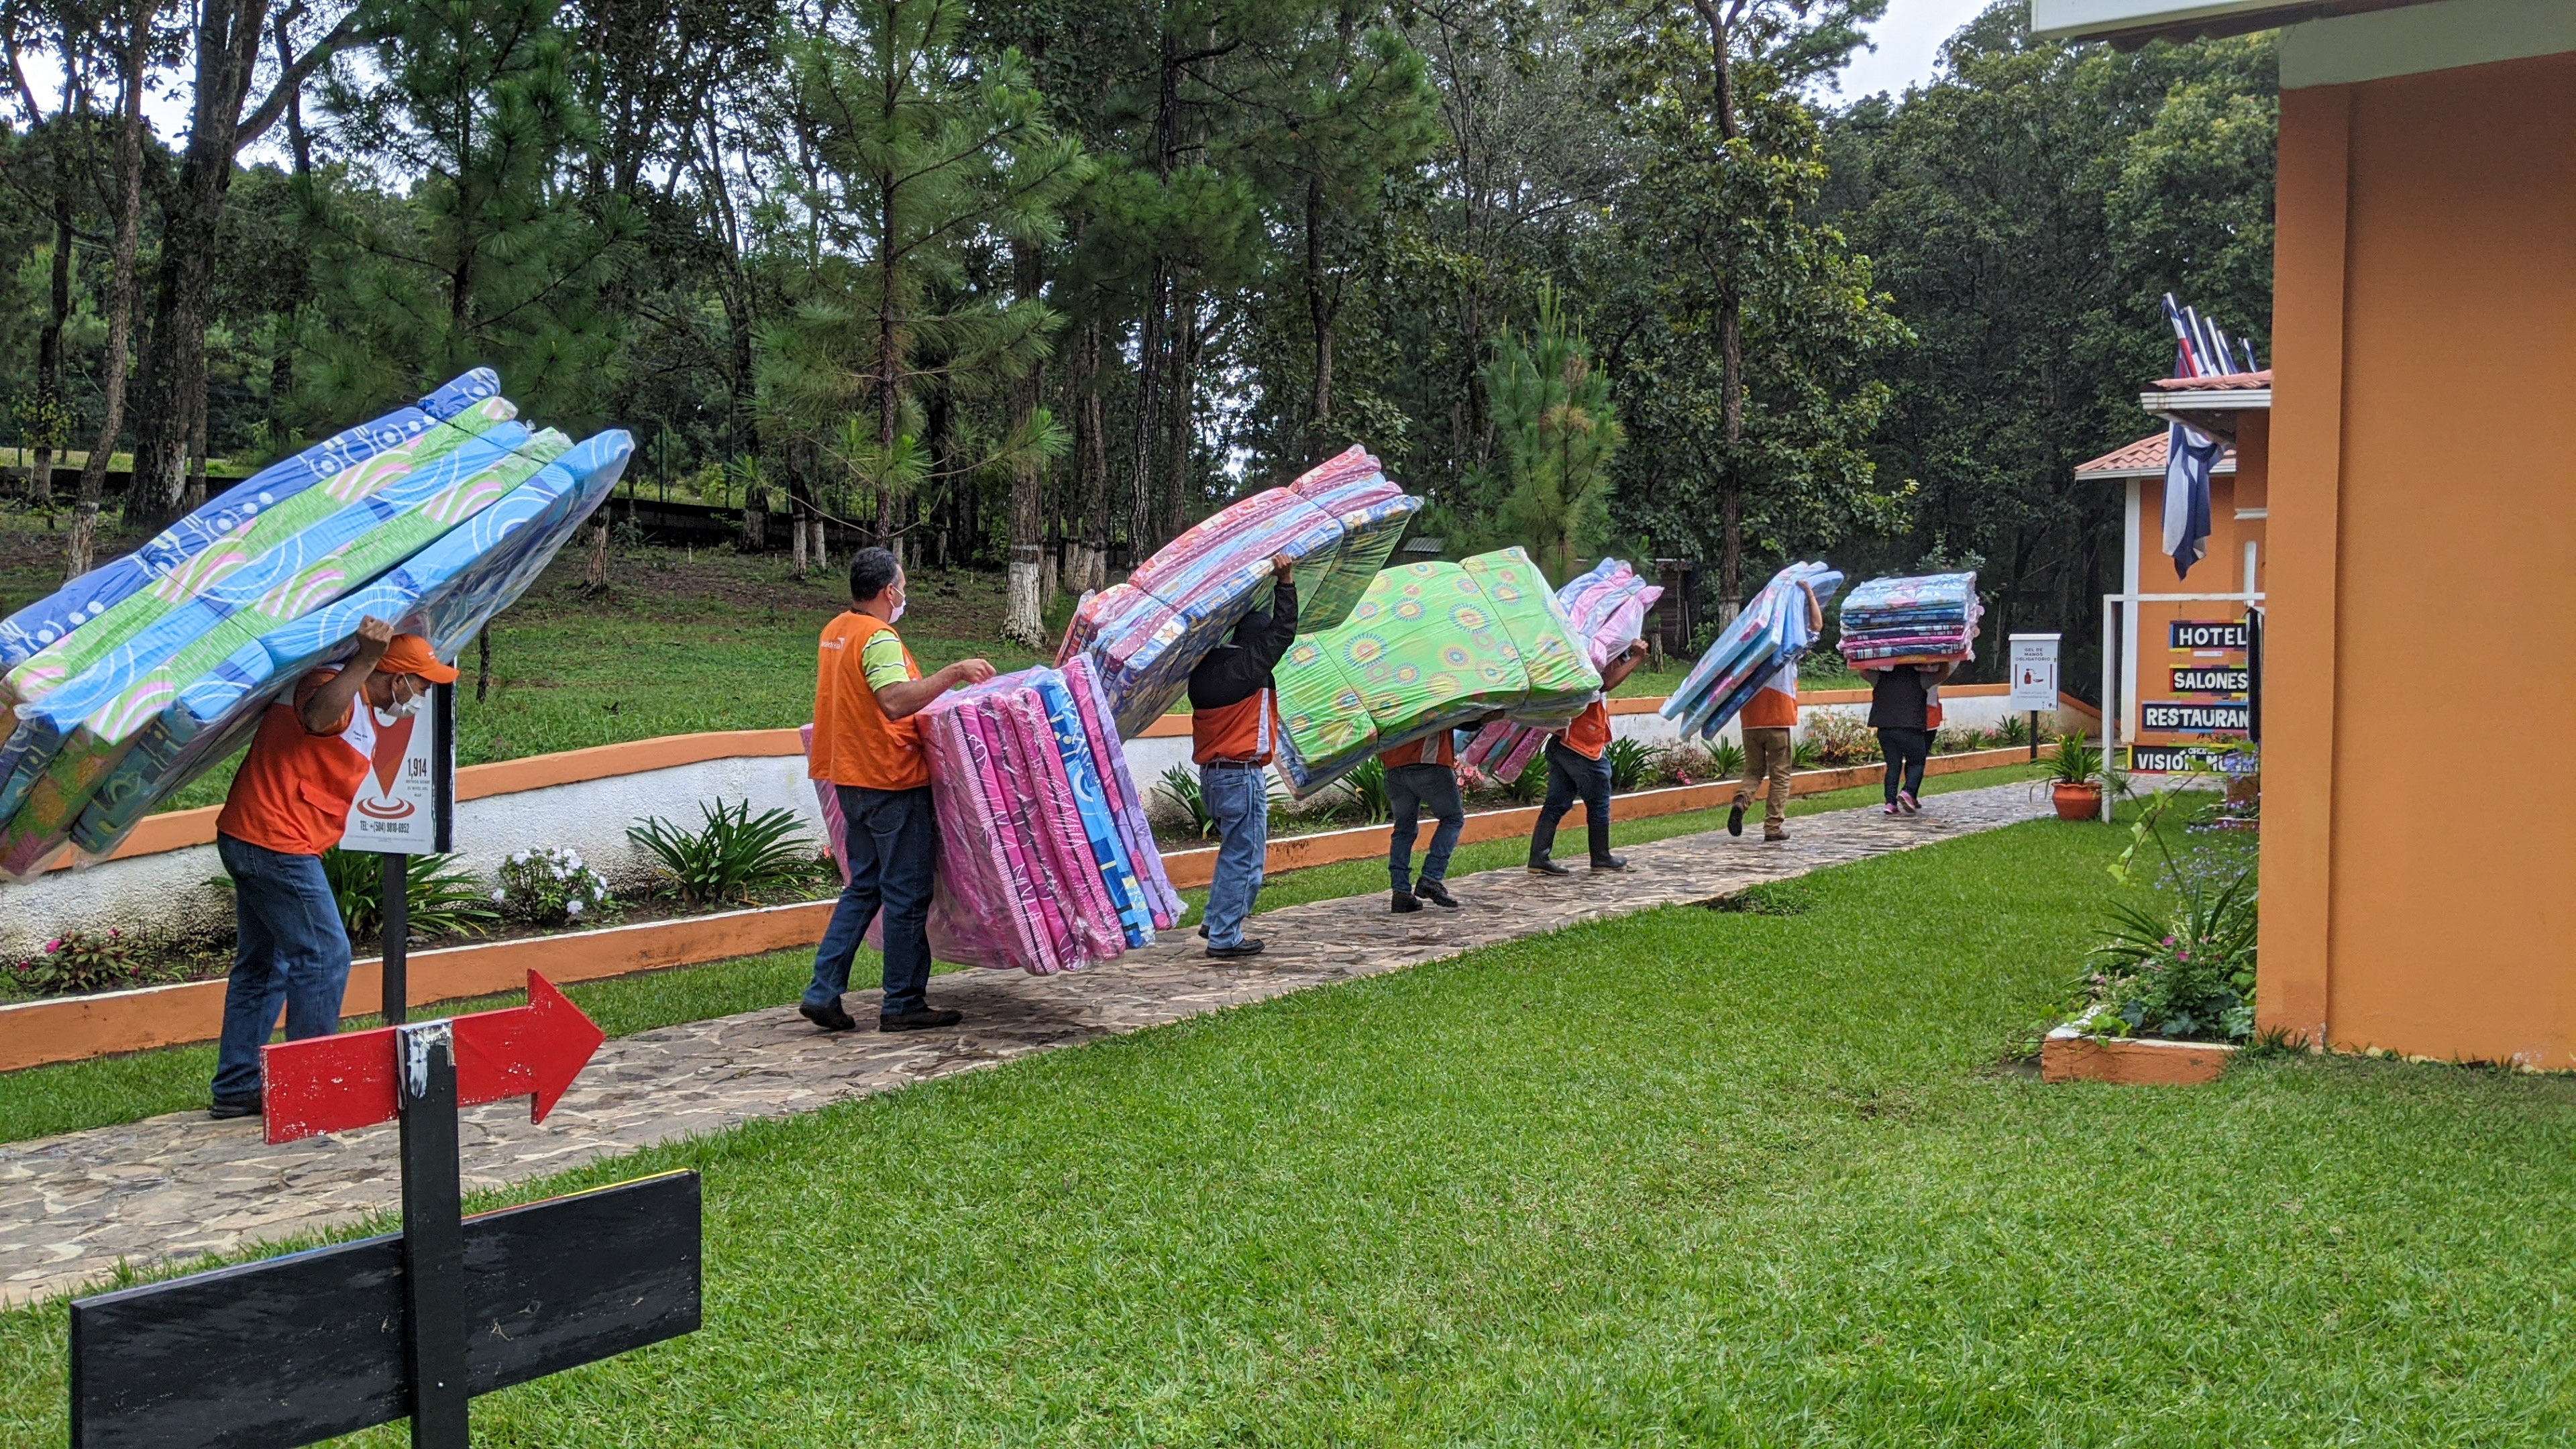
854,742
1589,735
1775,705
1246,731
293,792
1433,749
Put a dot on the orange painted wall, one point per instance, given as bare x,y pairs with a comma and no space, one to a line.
2423,527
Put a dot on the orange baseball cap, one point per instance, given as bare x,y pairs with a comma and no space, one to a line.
409,654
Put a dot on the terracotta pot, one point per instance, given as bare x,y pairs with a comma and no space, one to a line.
2076,802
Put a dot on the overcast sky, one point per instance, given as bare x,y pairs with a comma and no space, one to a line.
1909,43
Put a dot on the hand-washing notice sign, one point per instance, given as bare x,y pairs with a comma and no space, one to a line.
2034,672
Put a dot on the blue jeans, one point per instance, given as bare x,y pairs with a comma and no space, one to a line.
893,843
1570,777
1906,750
1238,801
289,950
1408,789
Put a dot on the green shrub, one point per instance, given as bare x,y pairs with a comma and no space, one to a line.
1182,789
1630,762
551,886
1726,757
1836,737
79,962
439,898
1368,792
730,855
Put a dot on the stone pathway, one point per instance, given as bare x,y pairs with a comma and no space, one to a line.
175,1187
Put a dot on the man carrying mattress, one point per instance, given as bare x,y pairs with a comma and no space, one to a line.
289,803
866,691
1234,730
1768,720
1422,775
1576,769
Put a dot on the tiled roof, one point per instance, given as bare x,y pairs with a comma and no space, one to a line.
2223,382
2144,458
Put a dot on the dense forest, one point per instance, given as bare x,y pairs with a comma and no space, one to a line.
1034,285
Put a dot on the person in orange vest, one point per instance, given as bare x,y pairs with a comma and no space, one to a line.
1576,769
867,688
1768,720
1234,729
289,803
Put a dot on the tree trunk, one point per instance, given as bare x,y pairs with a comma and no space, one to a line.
821,548
1179,503
1730,342
195,496
173,374
1023,617
54,415
80,548
482,663
755,522
1320,308
1087,566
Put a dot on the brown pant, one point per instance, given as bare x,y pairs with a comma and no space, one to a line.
1767,753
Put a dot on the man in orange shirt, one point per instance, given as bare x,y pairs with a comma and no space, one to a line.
1575,768
289,803
1424,773
1767,722
1234,730
866,691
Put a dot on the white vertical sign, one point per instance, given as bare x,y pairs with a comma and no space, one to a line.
397,809
2034,672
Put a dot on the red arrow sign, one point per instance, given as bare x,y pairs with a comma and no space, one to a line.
341,1083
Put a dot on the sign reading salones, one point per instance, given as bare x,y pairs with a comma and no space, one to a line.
2224,680
2196,634
2058,19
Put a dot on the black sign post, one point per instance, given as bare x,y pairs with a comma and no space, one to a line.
313,1345
396,888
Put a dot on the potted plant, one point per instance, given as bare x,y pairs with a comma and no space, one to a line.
2075,777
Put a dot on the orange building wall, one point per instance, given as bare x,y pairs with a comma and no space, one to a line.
2220,571
2423,583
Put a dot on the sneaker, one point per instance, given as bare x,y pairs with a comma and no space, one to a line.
1891,808
1610,863
1541,865
1436,893
1906,799
828,1016
226,1109
1735,820
1248,946
1405,904
1202,930
920,1018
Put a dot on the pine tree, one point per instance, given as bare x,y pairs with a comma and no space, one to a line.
1557,432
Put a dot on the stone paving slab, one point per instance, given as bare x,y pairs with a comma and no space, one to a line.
173,1188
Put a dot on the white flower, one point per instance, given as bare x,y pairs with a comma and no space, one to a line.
520,858
573,907
500,898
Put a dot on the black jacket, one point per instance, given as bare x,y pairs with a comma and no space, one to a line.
1900,698
1233,673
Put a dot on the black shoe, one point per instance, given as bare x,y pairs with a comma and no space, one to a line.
1202,930
925,1018
227,1108
1610,862
828,1016
1248,946
1405,904
1436,893
1735,820
1541,865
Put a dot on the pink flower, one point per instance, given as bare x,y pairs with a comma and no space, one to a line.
52,946
2182,955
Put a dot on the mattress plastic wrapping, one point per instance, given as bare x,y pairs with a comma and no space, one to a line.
1771,632
1607,606
134,694
1337,523
1431,646
1927,619
1047,862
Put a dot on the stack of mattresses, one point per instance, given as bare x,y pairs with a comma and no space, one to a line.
1931,619
151,669
1607,608
1430,647
1771,632
1047,862
1337,523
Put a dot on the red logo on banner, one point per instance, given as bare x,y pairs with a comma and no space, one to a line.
393,740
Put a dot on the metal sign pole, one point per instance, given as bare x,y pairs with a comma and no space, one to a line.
433,1235
397,937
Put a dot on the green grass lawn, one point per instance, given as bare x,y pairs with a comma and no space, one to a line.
1692,1177
42,1101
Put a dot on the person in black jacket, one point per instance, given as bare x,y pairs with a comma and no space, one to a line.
1900,709
1234,724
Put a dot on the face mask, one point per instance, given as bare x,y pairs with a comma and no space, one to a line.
897,616
406,708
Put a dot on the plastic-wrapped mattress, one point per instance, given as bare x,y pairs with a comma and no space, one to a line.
1607,608
1430,647
1338,523
1772,631
1046,860
1929,619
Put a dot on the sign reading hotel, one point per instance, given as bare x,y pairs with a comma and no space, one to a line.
2193,635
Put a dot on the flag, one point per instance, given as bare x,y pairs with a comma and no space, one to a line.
2189,455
